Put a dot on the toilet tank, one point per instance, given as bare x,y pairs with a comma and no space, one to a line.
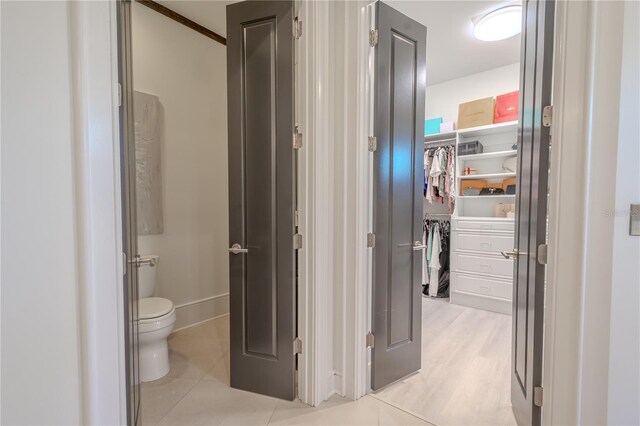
147,275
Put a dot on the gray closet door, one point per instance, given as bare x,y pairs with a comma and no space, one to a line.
261,196
398,181
129,228
531,209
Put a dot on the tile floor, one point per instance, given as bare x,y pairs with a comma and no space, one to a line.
197,392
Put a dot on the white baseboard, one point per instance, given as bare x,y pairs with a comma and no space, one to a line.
198,311
334,384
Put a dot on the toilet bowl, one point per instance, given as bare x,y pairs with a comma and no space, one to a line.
157,317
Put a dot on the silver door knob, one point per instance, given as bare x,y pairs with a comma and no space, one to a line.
237,249
509,254
417,245
139,261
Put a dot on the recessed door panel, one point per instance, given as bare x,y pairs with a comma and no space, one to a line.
531,209
261,196
399,126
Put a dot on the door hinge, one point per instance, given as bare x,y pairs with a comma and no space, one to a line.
296,218
373,38
373,144
119,95
371,340
537,396
297,140
297,346
547,116
542,254
297,28
124,264
371,240
297,241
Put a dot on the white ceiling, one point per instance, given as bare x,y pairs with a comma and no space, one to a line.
452,51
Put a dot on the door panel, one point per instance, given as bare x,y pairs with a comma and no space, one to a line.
129,227
399,127
531,211
261,196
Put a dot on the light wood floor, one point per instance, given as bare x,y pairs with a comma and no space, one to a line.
464,378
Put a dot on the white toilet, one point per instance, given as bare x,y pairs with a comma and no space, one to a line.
157,318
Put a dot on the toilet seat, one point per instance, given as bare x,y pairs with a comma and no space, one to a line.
152,308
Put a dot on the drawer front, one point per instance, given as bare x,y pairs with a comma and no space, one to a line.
461,262
493,244
471,225
482,286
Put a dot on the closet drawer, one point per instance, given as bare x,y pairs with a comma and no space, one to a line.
471,225
493,244
461,262
482,286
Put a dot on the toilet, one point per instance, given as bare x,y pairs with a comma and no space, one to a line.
157,316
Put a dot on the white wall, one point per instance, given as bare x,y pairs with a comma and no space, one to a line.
442,99
187,71
624,345
41,381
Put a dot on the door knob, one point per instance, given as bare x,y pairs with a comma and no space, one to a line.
237,249
509,254
139,261
418,246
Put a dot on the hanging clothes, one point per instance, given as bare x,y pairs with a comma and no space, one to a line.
425,273
439,171
435,262
435,266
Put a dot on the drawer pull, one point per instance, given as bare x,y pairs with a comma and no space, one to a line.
485,226
484,265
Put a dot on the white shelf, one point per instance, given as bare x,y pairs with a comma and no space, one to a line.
488,155
488,176
490,129
465,197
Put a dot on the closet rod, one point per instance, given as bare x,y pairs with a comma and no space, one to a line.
437,214
437,144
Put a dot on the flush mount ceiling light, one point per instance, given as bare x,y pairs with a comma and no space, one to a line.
499,24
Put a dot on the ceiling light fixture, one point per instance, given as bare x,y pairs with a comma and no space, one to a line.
499,24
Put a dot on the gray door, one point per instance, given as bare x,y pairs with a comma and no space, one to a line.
261,196
129,228
531,210
398,180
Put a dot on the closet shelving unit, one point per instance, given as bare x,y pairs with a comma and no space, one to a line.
480,276
497,140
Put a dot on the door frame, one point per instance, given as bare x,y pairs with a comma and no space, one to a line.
570,328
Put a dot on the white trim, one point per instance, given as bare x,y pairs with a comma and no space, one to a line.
206,299
586,105
93,36
358,379
201,310
200,322
315,192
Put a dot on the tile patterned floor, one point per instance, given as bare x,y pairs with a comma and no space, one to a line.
197,392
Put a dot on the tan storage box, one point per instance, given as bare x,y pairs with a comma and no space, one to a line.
475,113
